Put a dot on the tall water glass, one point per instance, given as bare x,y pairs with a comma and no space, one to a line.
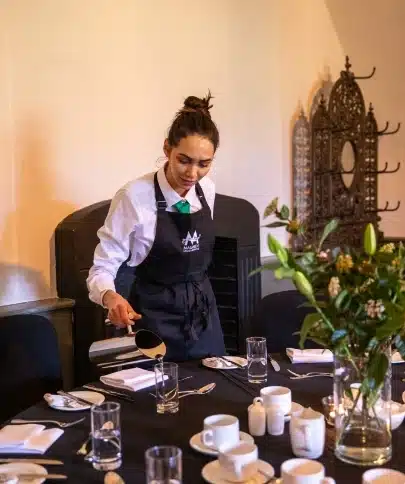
167,387
257,359
106,436
163,465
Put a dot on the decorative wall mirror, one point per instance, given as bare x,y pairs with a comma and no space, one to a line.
335,163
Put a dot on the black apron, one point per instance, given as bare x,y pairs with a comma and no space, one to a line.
171,288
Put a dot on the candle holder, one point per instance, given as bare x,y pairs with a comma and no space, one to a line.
329,410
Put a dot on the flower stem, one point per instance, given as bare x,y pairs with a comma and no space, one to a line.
331,327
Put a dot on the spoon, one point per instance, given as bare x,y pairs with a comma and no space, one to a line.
199,391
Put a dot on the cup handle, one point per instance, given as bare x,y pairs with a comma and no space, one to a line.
207,438
258,400
328,480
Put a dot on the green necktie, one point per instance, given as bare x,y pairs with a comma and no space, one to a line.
182,206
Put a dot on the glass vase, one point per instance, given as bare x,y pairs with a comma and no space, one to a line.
362,417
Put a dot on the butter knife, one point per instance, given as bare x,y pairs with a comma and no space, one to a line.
232,362
112,393
45,462
274,363
82,401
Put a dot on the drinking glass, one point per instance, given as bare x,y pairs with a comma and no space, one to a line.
167,387
257,359
106,436
163,465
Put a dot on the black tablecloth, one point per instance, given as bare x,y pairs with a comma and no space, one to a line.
142,427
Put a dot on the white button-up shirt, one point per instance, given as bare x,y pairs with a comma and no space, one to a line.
130,227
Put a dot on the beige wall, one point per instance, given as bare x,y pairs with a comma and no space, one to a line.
88,89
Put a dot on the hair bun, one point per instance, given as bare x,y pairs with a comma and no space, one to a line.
193,103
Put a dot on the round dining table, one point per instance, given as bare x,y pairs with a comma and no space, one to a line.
142,427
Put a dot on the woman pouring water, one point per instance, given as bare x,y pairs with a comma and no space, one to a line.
162,223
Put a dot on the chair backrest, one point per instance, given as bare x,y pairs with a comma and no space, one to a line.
29,361
277,317
236,254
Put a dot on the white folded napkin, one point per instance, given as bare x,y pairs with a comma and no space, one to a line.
27,439
396,358
133,379
309,356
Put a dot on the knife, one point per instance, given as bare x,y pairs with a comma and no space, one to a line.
46,462
233,362
112,393
82,401
274,363
116,364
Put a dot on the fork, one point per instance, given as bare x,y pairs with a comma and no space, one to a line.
312,374
62,425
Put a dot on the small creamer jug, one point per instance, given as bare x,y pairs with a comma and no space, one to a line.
257,418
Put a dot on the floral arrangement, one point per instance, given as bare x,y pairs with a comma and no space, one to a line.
358,296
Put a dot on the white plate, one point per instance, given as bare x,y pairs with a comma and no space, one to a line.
24,468
196,443
295,407
95,397
217,364
212,473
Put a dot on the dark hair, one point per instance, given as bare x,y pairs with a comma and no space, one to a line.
194,118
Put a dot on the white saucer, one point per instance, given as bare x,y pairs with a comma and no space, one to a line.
196,443
212,473
218,364
295,407
24,468
58,401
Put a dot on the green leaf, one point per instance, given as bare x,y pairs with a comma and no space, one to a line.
393,323
270,266
273,243
284,212
338,335
309,321
274,225
307,304
282,256
329,228
377,369
340,297
306,260
284,273
271,207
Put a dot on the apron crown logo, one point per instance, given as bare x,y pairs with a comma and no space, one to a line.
191,243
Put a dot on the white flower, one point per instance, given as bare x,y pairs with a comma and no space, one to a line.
334,286
323,255
374,309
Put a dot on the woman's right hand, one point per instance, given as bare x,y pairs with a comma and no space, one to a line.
120,312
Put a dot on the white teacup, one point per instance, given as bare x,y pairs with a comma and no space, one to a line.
307,434
383,476
304,471
238,462
220,430
280,396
